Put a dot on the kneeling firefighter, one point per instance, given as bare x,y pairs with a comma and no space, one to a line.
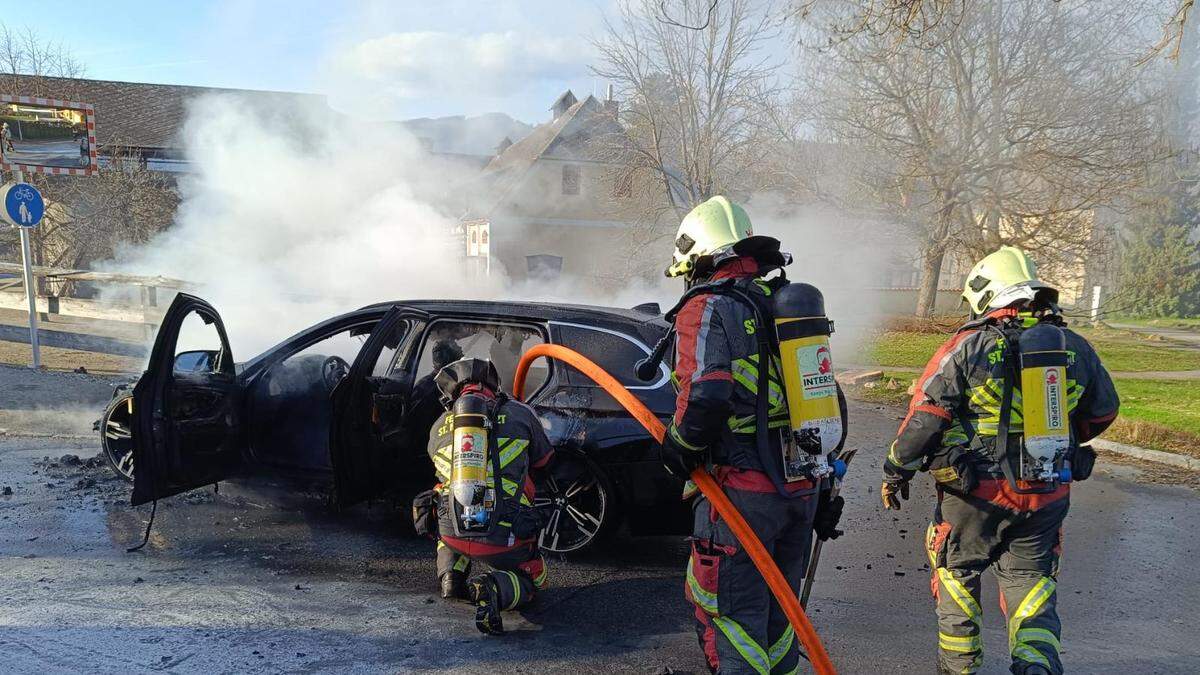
998,418
769,439
483,448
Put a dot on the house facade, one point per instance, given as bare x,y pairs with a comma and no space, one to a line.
560,201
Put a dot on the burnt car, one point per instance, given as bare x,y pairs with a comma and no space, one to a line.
349,402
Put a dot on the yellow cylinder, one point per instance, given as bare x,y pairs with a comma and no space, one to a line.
1044,407
469,452
469,467
811,391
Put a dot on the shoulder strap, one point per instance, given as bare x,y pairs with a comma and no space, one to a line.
494,456
714,287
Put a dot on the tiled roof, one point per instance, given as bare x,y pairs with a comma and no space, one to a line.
565,137
134,114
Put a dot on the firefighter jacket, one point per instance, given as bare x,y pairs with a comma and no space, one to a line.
717,376
956,403
521,444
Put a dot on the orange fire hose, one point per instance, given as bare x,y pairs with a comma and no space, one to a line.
762,560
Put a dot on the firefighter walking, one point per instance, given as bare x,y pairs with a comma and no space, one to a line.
732,414
998,419
483,448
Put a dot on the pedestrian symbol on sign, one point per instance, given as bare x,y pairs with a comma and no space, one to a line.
23,205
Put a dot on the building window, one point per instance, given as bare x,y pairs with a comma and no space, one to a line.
570,179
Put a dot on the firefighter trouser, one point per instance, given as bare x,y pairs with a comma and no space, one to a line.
1022,548
519,571
742,628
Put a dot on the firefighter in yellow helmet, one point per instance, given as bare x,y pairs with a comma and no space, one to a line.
484,449
731,415
998,419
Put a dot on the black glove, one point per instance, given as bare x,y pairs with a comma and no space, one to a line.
679,460
829,512
528,521
1082,463
425,513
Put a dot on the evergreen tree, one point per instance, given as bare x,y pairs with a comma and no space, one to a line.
1160,270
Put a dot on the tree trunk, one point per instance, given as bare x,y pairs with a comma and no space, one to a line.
931,271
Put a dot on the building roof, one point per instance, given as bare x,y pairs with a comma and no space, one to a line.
567,136
136,114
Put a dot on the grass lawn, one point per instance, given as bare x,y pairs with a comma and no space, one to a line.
896,348
891,390
1171,403
1121,351
54,358
1159,414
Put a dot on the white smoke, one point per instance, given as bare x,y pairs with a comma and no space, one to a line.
294,215
847,258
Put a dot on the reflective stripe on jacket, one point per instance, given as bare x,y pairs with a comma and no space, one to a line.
716,371
522,445
956,401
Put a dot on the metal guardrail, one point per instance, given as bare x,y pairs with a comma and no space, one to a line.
144,311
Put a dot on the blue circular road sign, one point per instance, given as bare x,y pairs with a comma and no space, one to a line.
23,205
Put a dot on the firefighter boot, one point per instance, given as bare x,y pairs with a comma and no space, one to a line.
454,585
1035,669
483,592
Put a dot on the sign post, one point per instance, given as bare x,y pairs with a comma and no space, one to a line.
24,208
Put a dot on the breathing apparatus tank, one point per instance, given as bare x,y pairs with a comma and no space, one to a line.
472,496
803,331
474,499
1047,429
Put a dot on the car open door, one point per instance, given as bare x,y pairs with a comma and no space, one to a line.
186,412
363,465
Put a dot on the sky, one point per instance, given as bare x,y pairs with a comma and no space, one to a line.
392,60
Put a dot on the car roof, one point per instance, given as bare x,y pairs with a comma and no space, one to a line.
526,310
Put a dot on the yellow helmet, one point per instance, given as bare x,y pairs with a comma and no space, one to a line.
1005,278
711,232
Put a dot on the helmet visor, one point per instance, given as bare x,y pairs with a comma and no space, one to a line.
1024,292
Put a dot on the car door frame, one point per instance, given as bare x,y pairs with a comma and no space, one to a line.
261,368
359,472
163,467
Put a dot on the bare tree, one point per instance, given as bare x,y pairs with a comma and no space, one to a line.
902,20
898,20
1011,126
35,66
695,90
1174,32
91,218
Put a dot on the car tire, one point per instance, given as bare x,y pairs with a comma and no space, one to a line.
579,502
116,437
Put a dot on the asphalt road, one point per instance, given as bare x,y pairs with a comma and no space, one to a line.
256,580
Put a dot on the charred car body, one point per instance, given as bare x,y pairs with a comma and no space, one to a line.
350,401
